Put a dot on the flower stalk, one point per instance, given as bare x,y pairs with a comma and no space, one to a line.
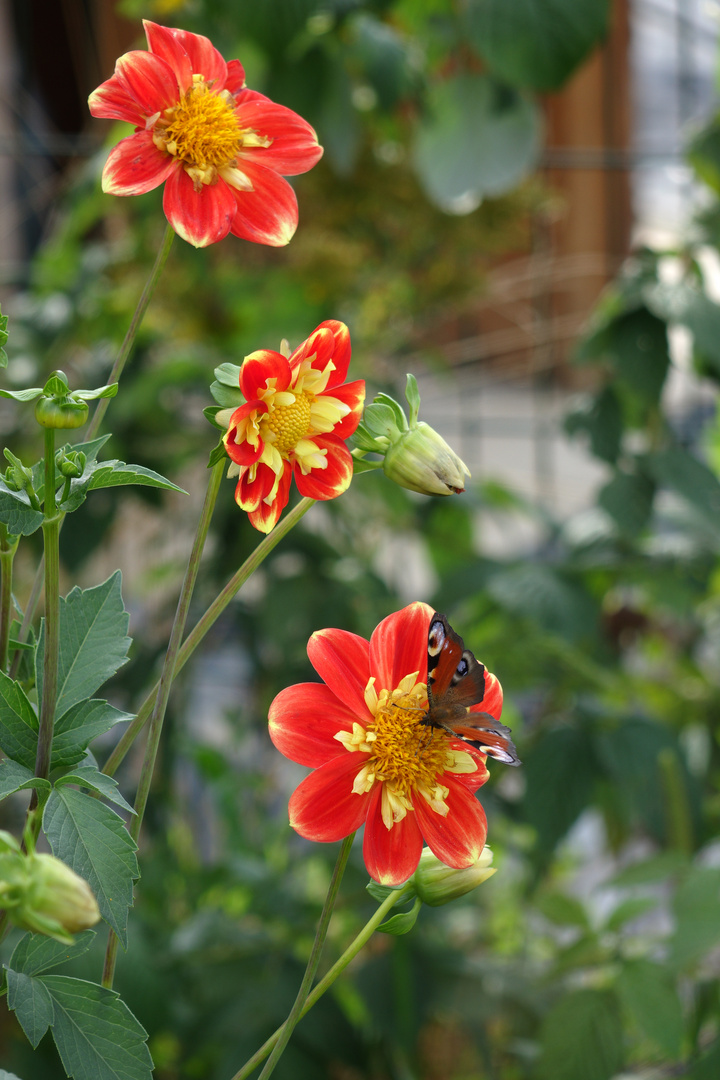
8,547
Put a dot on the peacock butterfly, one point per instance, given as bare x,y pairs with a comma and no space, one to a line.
456,680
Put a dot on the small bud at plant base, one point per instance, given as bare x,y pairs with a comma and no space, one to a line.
413,455
43,895
436,883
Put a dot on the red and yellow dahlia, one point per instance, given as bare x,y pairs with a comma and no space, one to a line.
221,150
375,762
297,411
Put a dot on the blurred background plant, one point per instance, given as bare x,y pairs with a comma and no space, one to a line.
475,197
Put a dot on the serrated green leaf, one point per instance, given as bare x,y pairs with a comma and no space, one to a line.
32,1004
108,474
582,1037
17,513
16,777
648,993
536,43
18,723
93,642
77,728
89,776
93,841
96,1035
35,953
403,922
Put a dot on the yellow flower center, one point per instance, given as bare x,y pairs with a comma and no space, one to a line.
285,425
203,132
406,756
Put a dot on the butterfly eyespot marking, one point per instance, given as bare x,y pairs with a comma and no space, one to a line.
456,681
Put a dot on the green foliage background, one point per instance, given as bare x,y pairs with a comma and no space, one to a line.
594,949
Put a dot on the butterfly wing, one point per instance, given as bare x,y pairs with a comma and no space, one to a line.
456,681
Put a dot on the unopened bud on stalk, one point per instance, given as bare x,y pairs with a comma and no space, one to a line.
70,463
436,883
413,454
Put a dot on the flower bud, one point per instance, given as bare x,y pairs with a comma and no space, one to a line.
70,463
422,461
43,895
436,883
60,412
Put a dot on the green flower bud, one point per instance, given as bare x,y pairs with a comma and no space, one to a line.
70,463
436,883
422,461
43,895
60,412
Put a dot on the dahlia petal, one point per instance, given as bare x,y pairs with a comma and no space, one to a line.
458,837
235,80
324,807
331,481
398,645
269,213
163,41
260,366
111,101
135,166
320,345
492,701
265,518
341,659
149,79
200,217
353,395
205,59
252,490
474,780
391,855
303,721
294,149
341,352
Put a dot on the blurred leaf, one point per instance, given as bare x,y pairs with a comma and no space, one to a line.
628,499
562,910
708,1066
697,914
562,761
651,871
683,473
629,910
536,43
93,841
478,139
339,126
685,304
637,346
543,594
382,54
703,153
582,1037
18,723
602,419
648,993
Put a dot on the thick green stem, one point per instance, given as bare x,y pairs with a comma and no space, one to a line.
312,965
166,679
100,410
8,547
326,982
196,635
51,536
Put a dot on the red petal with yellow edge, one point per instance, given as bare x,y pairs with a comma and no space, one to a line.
258,367
320,346
243,453
269,213
303,720
458,838
398,645
475,780
342,351
324,807
250,493
265,518
112,101
149,79
200,217
341,659
162,41
391,855
492,701
353,395
235,80
294,148
330,482
135,166
205,59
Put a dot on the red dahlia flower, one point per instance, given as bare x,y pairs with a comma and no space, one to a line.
296,414
375,762
220,150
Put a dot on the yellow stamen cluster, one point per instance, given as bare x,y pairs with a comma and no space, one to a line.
203,132
404,754
287,424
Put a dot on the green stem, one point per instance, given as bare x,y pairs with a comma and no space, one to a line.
312,965
166,678
8,547
100,410
51,537
326,982
196,635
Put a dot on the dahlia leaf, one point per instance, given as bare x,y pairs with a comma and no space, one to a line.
18,723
